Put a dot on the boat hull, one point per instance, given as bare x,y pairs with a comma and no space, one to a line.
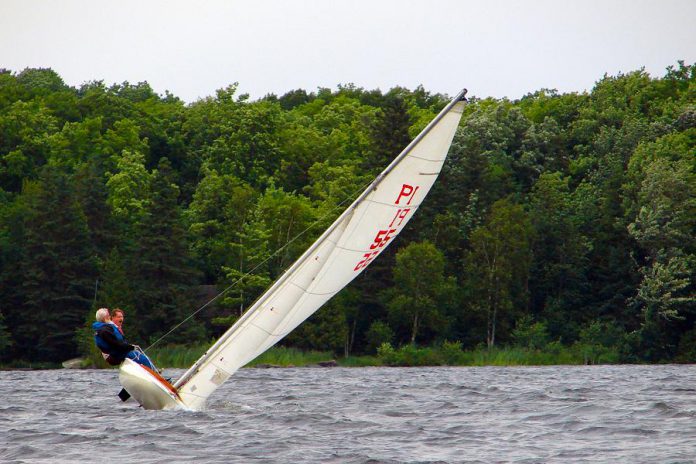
147,387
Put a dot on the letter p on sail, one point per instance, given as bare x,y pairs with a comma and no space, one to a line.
407,191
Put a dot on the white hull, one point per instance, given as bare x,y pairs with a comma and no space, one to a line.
148,388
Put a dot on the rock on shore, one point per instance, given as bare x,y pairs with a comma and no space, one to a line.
75,363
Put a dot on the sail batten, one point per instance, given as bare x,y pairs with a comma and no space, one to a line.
342,252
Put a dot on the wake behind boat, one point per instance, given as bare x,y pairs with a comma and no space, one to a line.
337,257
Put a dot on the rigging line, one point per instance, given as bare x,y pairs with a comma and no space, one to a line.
275,253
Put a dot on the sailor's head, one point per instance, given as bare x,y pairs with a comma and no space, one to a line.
103,315
117,316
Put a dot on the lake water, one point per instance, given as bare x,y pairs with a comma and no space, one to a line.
612,414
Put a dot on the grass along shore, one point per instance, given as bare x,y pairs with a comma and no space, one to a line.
180,356
447,354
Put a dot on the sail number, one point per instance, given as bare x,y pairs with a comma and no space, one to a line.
383,236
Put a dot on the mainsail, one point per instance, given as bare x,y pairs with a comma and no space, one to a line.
342,252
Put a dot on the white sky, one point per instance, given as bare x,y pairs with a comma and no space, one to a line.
493,47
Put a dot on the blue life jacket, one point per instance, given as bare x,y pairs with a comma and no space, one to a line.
101,343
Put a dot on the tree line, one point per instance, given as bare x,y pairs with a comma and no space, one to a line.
564,216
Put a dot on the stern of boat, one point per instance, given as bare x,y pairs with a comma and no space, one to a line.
147,387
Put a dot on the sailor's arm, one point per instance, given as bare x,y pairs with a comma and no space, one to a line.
114,342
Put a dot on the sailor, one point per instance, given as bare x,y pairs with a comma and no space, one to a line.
113,345
117,316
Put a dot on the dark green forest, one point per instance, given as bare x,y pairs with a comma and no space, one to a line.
557,219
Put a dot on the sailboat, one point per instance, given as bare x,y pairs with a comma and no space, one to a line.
338,256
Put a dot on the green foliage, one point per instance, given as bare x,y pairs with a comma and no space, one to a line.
661,208
288,357
552,213
129,189
408,355
530,334
560,254
421,292
179,355
663,294
183,356
378,334
116,289
326,330
553,355
599,343
452,353
666,204
217,216
499,261
5,339
390,134
686,352
166,279
24,145
57,271
360,361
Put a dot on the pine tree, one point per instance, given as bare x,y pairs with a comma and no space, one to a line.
166,277
92,195
390,134
58,271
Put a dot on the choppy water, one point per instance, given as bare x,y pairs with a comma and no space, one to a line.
631,414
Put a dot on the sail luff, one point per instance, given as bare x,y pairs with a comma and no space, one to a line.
271,292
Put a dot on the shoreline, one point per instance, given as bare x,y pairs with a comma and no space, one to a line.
448,354
338,365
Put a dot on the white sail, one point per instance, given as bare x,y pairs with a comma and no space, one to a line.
352,242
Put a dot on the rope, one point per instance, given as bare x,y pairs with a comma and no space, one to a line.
275,253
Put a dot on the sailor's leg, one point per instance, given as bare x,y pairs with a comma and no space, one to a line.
141,358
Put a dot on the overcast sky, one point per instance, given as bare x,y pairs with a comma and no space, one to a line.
493,47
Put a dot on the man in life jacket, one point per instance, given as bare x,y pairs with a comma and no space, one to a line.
113,345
